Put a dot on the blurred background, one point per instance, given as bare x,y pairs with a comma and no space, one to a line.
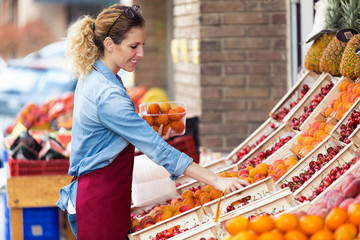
229,61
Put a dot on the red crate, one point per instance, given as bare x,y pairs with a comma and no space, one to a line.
185,144
38,167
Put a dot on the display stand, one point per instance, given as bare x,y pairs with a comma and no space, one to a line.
31,191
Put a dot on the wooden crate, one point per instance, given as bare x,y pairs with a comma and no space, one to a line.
355,137
264,130
281,132
206,230
298,110
278,200
255,191
326,102
344,120
344,156
309,78
304,162
300,207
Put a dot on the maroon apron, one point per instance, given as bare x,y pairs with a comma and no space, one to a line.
103,201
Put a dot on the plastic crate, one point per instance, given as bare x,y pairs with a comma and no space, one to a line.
41,223
38,167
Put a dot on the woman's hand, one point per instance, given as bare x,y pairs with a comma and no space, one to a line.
230,184
169,134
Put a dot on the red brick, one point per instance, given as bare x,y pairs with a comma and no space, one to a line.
211,69
212,93
266,5
246,92
246,116
247,68
221,6
247,43
264,105
267,81
222,57
246,18
211,32
210,116
223,81
209,45
278,93
210,20
234,141
211,142
279,43
266,56
278,19
223,105
225,128
280,68
266,31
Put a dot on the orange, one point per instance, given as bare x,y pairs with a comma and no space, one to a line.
190,201
166,214
252,172
244,235
354,213
197,193
153,108
225,174
339,115
262,170
328,128
174,115
215,194
177,126
286,222
295,235
324,234
168,208
149,119
204,199
250,180
161,119
346,231
272,235
343,86
308,141
301,138
187,194
328,111
165,129
164,107
236,225
261,224
311,224
180,110
208,188
336,217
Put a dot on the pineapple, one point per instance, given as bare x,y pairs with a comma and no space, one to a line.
349,58
312,58
331,57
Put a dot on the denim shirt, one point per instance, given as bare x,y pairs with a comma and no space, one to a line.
104,123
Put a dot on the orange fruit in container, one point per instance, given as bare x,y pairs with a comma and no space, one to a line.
153,108
178,126
164,107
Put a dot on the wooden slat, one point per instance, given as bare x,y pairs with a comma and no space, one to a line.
16,223
35,191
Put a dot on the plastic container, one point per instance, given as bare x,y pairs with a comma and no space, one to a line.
152,113
41,223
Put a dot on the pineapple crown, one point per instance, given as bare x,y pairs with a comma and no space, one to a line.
351,9
334,15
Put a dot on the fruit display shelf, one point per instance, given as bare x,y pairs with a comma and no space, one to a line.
256,138
327,102
348,124
294,95
355,136
236,198
188,219
204,231
272,144
349,152
303,164
306,106
273,203
304,206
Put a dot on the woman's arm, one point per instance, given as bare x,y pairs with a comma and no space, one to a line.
204,175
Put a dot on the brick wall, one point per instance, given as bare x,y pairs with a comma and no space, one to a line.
151,71
243,67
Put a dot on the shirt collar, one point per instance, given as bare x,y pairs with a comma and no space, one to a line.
104,70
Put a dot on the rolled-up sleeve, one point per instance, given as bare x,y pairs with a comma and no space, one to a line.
117,112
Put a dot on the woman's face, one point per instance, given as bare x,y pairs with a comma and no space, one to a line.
127,54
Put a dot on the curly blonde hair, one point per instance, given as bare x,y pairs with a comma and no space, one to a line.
85,37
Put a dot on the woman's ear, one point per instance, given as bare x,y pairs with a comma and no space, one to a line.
108,44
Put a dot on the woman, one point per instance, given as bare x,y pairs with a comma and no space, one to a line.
106,127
